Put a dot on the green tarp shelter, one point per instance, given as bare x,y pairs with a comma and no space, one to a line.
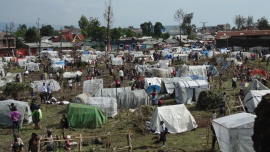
80,115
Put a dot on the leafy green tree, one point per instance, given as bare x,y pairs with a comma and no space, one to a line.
157,29
186,24
233,29
56,33
239,22
21,30
146,28
263,23
116,33
94,31
130,33
31,35
166,36
249,22
22,27
47,30
14,88
83,24
19,43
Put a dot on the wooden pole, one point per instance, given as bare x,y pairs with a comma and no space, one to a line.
80,143
129,142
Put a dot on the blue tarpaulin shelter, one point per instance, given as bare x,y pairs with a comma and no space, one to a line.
168,56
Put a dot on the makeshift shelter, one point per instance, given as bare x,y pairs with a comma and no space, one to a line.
56,67
253,98
152,81
71,74
30,58
117,61
187,91
87,57
22,107
111,92
107,104
195,72
54,60
255,84
160,72
234,132
182,57
81,116
132,99
213,70
22,62
167,84
176,118
11,77
31,66
37,85
92,86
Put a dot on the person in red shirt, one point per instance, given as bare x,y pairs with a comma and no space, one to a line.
81,70
65,67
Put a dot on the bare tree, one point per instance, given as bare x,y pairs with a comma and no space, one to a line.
179,16
239,22
108,16
249,22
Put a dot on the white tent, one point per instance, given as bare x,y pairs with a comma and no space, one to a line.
11,77
253,98
54,60
176,118
31,66
234,132
22,62
185,91
30,58
37,85
107,105
182,57
87,57
255,84
132,99
92,86
195,72
153,81
111,92
117,61
22,107
168,85
71,74
57,67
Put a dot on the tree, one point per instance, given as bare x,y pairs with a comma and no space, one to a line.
47,30
249,22
262,23
83,24
56,33
178,16
261,134
130,33
186,24
108,16
14,88
233,29
166,35
94,31
31,35
239,22
116,33
157,29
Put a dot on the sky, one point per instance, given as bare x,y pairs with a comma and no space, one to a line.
131,12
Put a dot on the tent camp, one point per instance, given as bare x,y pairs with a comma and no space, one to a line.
11,77
187,91
195,72
132,99
182,57
92,86
111,92
80,115
22,107
176,118
152,81
255,84
37,85
234,132
117,61
167,84
161,72
106,104
71,74
253,98
31,66
22,62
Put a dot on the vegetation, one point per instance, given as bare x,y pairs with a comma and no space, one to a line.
14,88
209,100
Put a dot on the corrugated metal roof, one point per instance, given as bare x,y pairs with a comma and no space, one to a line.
229,34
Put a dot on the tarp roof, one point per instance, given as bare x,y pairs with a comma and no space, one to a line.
169,83
253,98
132,99
255,84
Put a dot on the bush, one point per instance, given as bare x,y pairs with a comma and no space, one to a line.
209,100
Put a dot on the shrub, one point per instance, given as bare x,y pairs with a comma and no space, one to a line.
209,100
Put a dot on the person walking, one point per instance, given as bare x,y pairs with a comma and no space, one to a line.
121,75
154,97
17,143
34,143
15,117
162,133
78,79
234,79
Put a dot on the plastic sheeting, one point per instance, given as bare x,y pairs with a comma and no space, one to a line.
71,74
32,66
184,90
111,92
153,81
92,86
255,84
234,132
56,67
22,62
253,98
22,107
54,60
132,99
160,72
168,85
195,72
176,118
11,77
37,85
182,57
87,57
117,61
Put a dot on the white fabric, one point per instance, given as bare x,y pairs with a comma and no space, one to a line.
111,92
37,85
54,60
32,66
253,98
11,77
30,58
21,106
234,132
117,61
195,72
87,57
176,118
56,67
153,81
121,73
132,99
71,74
184,90
255,84
22,62
168,83
183,57
92,86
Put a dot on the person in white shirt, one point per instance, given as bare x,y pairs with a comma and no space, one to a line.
50,76
162,133
70,84
44,88
121,75
53,100
214,115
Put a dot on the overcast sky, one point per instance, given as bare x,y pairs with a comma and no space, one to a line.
131,12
